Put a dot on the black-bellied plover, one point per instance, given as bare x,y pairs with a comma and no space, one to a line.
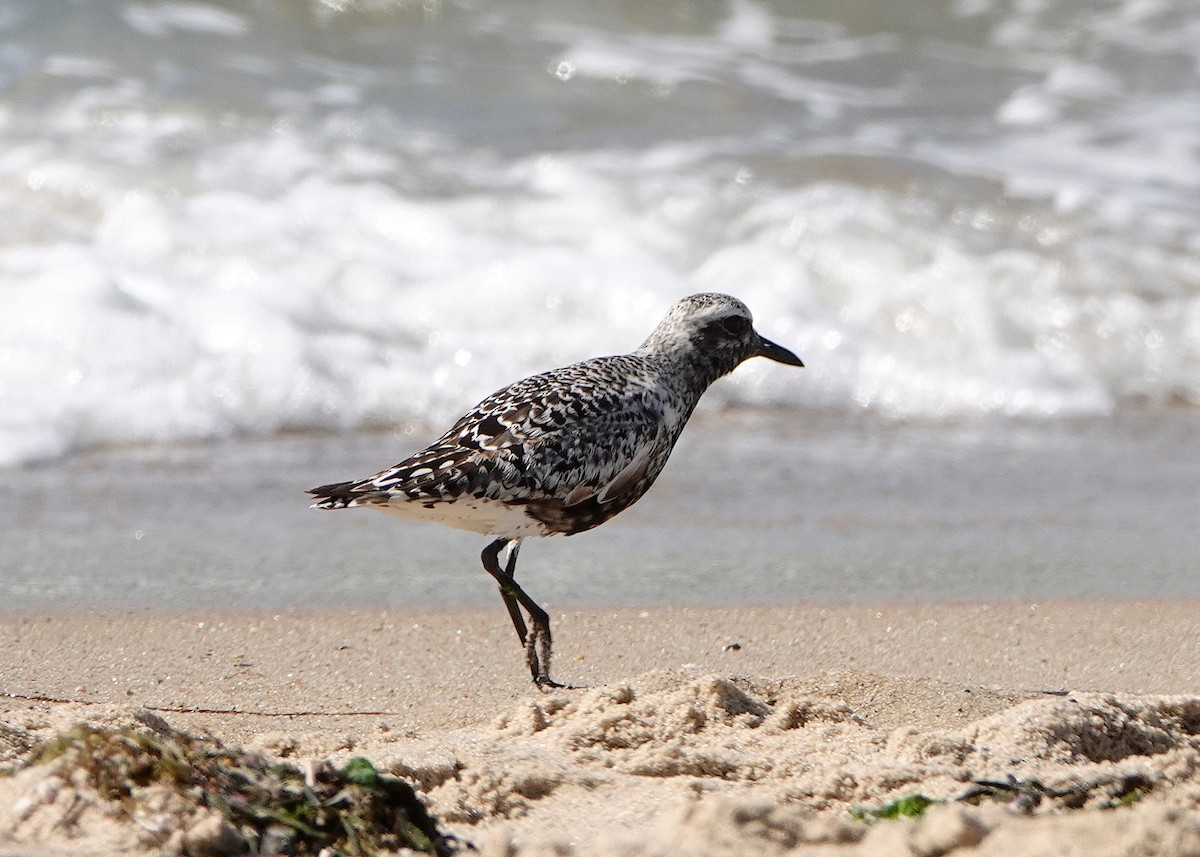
564,451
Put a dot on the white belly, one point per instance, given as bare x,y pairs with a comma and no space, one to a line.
488,517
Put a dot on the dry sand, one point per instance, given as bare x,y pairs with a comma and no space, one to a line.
716,731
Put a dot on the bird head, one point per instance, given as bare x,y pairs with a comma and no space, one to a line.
717,332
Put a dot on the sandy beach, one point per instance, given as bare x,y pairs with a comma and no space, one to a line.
705,731
934,594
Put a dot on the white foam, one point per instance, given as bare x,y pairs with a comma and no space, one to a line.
750,26
348,303
324,264
162,18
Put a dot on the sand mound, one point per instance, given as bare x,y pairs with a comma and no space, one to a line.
744,766
679,764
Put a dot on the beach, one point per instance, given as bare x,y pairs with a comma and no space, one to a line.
934,593
704,731
807,620
779,642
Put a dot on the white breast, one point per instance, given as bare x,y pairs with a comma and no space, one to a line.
488,517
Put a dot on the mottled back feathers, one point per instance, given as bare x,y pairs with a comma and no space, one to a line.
564,451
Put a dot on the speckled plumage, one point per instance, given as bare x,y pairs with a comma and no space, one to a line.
564,451
558,452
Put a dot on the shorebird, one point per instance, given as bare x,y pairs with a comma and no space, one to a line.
562,452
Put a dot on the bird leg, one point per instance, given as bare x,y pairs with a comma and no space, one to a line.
490,555
536,639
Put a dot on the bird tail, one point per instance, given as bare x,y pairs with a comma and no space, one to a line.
338,495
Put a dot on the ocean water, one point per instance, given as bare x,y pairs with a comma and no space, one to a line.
226,219
224,225
754,507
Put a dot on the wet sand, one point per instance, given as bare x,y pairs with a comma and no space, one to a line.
758,507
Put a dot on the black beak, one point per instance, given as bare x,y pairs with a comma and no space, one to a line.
768,349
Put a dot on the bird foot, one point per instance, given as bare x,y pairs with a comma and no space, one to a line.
537,656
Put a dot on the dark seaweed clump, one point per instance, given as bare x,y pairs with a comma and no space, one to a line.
1022,796
269,807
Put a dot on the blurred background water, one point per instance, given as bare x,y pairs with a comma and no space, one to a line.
976,218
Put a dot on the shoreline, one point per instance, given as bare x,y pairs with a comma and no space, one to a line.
219,659
752,508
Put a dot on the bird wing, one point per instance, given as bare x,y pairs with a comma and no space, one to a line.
585,437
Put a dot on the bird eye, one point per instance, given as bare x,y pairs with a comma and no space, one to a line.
735,325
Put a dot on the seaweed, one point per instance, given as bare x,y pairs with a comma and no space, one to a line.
1021,796
1026,795
273,807
912,806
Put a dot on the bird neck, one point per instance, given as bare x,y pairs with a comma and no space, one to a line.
685,370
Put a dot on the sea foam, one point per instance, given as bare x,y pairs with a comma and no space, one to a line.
249,239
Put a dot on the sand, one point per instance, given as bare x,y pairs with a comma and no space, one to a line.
715,731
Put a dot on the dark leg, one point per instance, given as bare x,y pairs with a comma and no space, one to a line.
536,639
490,555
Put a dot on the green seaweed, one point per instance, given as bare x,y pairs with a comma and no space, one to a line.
354,810
912,806
1022,796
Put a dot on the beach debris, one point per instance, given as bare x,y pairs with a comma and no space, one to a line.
912,806
217,800
15,744
1022,797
